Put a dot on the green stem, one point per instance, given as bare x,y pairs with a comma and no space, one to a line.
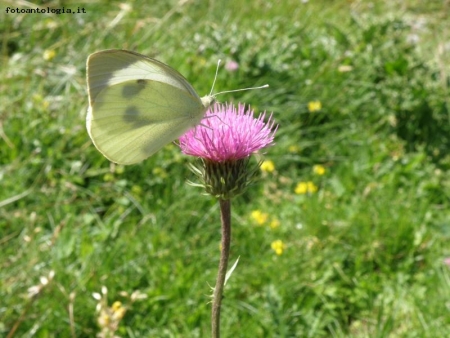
225,215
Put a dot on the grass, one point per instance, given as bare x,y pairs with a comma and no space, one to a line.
363,255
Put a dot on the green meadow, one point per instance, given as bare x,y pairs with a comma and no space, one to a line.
346,231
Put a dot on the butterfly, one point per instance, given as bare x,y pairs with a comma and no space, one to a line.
137,105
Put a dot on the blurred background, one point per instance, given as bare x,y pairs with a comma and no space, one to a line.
346,232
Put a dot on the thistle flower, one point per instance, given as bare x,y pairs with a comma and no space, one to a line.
224,141
227,133
231,66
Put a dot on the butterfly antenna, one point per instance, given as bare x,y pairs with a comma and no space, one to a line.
215,77
240,90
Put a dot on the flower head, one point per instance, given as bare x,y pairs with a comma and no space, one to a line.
305,188
259,217
231,65
278,246
224,142
314,106
319,169
267,166
49,54
227,133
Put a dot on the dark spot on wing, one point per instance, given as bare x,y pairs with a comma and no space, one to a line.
133,88
134,117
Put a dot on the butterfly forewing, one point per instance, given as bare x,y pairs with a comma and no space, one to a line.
110,67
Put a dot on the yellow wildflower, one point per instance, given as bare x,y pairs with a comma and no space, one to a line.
268,166
49,54
305,187
278,246
301,188
314,106
116,305
259,217
319,169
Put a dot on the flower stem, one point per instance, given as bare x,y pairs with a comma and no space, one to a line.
225,215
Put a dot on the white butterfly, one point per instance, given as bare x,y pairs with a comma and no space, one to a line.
138,104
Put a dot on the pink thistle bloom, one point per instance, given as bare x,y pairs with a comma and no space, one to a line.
227,133
231,66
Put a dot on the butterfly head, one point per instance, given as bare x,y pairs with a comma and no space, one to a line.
208,101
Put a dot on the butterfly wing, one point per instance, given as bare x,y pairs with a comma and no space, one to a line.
137,105
114,66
